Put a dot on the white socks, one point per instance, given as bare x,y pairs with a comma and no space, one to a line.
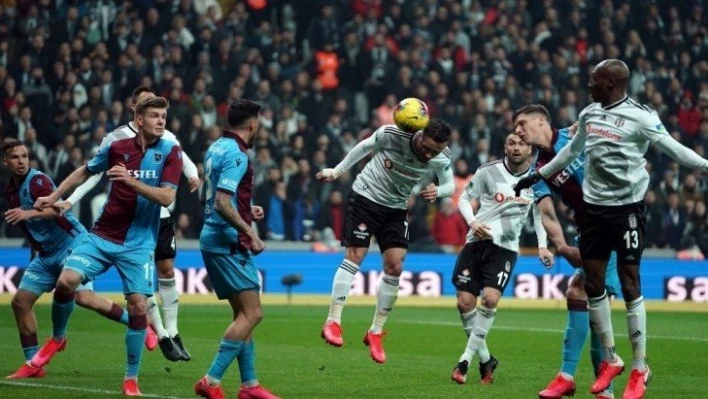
476,343
170,304
342,284
468,321
637,331
601,321
154,318
387,296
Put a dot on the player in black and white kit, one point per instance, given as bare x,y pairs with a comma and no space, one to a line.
615,132
168,335
377,207
487,260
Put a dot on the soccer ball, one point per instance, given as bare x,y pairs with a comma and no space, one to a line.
411,115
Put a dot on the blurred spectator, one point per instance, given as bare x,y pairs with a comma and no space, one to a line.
449,228
674,221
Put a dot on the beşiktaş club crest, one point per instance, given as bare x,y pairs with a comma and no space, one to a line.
507,267
619,122
632,221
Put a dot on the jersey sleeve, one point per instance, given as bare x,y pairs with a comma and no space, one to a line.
476,185
570,152
446,180
41,186
652,128
173,168
360,151
232,172
100,162
540,189
188,167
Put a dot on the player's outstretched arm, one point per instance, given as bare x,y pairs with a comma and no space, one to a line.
566,155
546,257
357,153
84,188
17,215
681,154
223,206
552,226
163,195
73,180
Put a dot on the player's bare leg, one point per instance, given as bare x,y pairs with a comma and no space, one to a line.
169,296
134,337
386,299
237,344
22,303
467,306
341,285
106,308
636,329
62,307
601,322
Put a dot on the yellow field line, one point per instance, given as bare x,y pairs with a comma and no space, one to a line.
413,301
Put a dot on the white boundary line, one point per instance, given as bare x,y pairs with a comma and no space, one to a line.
548,330
80,389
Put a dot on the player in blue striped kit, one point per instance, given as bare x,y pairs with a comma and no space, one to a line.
52,237
533,126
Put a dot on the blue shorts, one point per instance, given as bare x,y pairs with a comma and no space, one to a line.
231,273
43,272
612,283
95,256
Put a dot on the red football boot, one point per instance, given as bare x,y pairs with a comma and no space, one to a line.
130,388
27,371
607,372
202,388
558,388
332,333
375,344
45,354
257,392
637,384
150,339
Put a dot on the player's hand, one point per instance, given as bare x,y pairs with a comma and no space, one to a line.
546,257
17,215
481,231
62,207
44,202
430,193
194,184
572,254
327,174
119,173
525,183
257,212
257,245
573,128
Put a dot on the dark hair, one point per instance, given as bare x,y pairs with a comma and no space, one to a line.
9,145
241,110
533,109
151,102
438,130
138,91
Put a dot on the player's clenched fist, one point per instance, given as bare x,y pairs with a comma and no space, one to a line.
481,231
257,212
327,174
430,193
62,206
44,202
119,173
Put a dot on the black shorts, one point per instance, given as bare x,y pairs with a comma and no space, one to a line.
166,242
365,218
604,229
483,264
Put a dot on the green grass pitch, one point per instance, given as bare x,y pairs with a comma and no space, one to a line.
423,346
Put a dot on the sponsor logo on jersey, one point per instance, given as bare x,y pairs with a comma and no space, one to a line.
227,182
563,176
362,227
500,198
602,132
143,174
361,232
388,164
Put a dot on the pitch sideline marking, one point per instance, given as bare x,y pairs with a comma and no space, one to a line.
551,330
80,389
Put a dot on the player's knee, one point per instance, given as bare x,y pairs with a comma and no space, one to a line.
356,254
21,304
137,305
394,268
465,305
165,269
594,288
490,301
254,316
68,281
84,299
631,290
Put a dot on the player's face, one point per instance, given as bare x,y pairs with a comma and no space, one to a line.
152,122
516,150
529,127
599,85
426,148
255,124
17,160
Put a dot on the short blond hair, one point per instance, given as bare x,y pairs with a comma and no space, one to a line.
151,102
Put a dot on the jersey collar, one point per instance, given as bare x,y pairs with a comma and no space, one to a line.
609,107
231,135
525,172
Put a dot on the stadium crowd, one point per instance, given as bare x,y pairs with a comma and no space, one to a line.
331,72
